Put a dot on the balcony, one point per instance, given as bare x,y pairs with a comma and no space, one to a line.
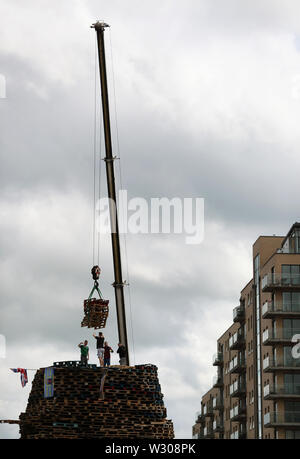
271,365
218,359
279,309
218,381
239,314
286,419
237,389
237,365
279,336
208,410
238,435
217,404
282,391
199,418
237,341
238,413
218,427
208,432
287,282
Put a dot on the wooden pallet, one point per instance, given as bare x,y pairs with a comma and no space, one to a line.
95,313
9,421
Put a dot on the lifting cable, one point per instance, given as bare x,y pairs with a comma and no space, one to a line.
121,187
97,169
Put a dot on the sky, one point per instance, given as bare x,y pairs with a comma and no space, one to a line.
205,102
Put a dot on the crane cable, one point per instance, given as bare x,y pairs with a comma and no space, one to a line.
97,166
121,187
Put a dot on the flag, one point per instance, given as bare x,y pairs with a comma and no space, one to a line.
24,378
48,382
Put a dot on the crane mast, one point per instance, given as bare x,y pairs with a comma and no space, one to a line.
110,175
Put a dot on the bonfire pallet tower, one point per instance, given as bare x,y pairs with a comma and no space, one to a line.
110,175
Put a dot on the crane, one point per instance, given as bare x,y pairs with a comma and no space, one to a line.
110,175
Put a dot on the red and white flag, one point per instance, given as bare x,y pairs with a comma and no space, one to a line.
24,378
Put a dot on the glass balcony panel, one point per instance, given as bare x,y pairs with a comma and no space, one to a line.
266,390
267,418
265,335
266,362
281,280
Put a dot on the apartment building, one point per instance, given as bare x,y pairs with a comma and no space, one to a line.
256,390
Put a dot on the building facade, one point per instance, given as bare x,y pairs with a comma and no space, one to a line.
256,390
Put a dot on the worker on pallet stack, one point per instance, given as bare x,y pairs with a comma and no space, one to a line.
84,352
122,354
107,351
100,347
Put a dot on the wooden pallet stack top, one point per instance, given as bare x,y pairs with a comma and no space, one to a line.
131,404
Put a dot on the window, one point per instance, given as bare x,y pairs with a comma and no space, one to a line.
290,274
288,359
290,327
292,434
294,241
292,386
291,301
292,411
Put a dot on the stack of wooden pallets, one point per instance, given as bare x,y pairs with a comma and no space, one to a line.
131,405
95,313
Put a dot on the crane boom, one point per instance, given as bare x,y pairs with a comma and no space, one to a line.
109,161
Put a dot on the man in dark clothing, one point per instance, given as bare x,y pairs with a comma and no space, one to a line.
100,347
107,351
84,351
122,354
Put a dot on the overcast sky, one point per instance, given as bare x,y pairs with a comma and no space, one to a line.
208,105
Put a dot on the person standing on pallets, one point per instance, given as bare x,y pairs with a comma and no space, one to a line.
100,348
122,354
84,351
107,351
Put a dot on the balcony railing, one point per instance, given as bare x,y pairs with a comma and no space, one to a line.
218,381
218,426
208,432
287,391
218,359
238,412
217,404
208,409
279,335
237,389
237,341
239,314
270,364
273,281
238,435
278,308
199,417
237,365
288,418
